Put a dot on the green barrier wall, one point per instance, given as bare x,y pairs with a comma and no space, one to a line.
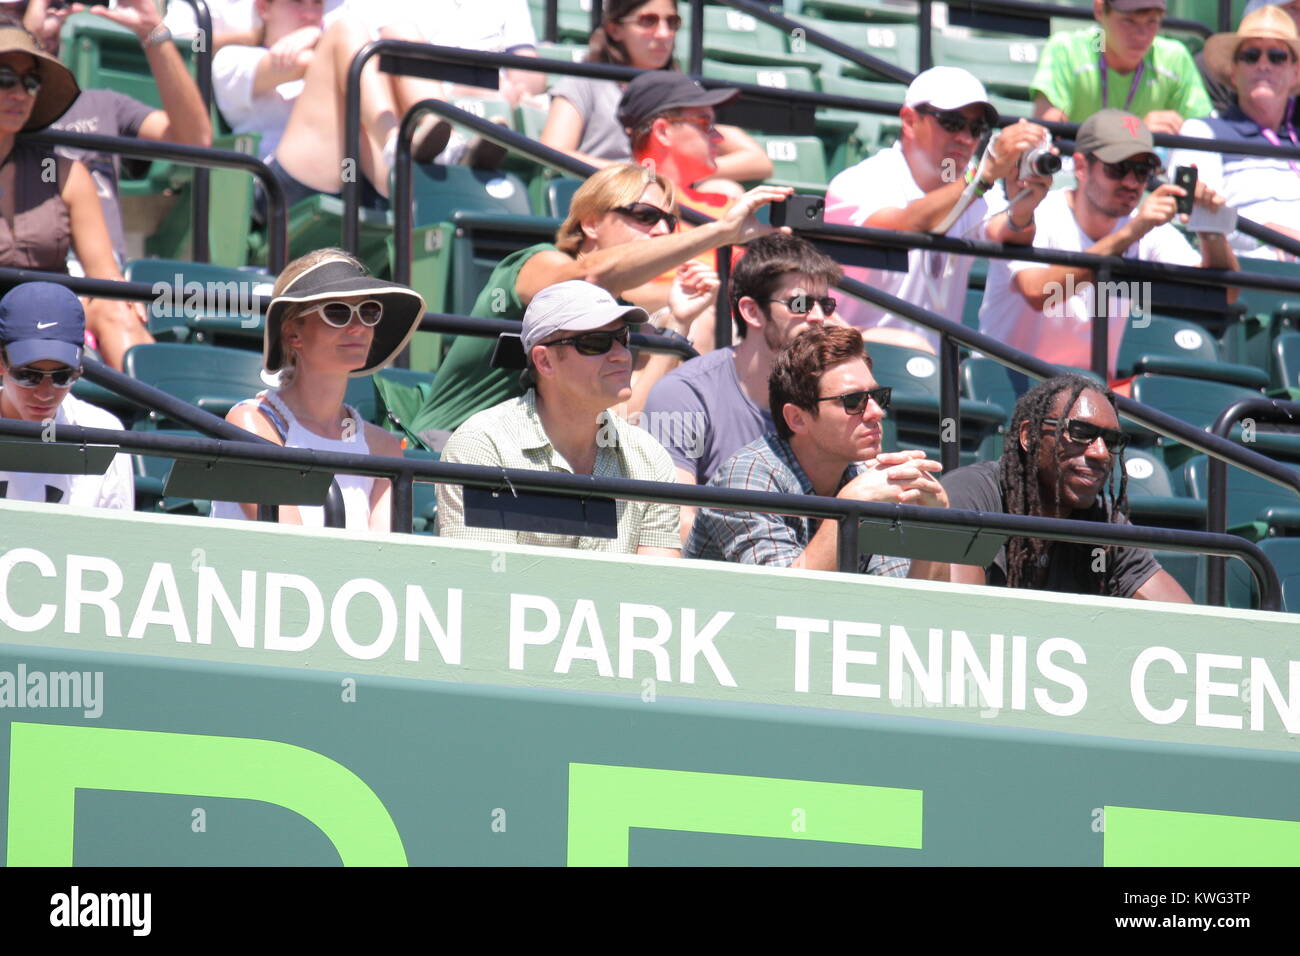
176,691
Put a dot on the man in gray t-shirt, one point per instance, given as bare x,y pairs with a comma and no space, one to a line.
712,406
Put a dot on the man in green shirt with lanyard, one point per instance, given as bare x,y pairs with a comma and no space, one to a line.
1121,65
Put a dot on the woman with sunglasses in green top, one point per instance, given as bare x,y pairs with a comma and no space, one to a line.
328,321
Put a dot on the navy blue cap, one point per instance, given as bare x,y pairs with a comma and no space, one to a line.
42,322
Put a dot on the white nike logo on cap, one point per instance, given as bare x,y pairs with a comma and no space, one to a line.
45,325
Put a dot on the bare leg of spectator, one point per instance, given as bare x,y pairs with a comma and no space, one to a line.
116,326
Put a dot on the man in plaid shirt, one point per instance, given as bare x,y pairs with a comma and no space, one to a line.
827,409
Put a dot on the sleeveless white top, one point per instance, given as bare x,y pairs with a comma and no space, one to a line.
356,488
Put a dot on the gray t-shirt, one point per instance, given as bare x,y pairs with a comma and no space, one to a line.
700,414
597,102
104,113
979,488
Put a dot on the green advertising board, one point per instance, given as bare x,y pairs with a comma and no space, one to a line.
178,691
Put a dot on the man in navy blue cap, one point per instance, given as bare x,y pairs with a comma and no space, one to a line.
42,326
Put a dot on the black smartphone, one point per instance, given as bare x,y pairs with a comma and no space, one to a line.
1185,176
798,212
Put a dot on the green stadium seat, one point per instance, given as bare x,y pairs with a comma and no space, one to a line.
873,11
441,192
985,380
1196,403
424,510
781,78
897,44
222,295
557,194
914,377
1187,569
229,218
1286,364
1257,508
212,378
103,55
1177,347
530,120
797,161
1004,65
150,472
1154,498
317,223
736,37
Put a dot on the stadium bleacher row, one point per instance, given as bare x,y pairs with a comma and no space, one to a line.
466,220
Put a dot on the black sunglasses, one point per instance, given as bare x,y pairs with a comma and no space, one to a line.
1276,57
650,21
855,403
595,343
648,215
9,78
951,121
1085,433
29,377
803,304
1143,169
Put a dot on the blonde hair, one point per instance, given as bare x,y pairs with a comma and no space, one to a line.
293,314
604,191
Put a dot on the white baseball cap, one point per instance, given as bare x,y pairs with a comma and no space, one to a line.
948,88
573,306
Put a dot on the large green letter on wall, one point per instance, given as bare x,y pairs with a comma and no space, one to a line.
1141,837
605,802
48,762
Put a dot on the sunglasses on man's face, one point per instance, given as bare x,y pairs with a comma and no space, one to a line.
803,304
339,314
1143,169
648,215
9,78
855,403
29,377
1085,433
952,121
595,343
1275,56
650,21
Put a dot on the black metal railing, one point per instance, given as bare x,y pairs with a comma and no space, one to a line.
404,472
202,184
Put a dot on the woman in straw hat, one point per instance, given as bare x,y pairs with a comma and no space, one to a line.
47,201
328,321
1261,61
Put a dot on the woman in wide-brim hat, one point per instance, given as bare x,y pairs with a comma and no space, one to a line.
328,321
41,215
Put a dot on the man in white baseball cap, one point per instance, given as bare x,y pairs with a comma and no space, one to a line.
932,180
575,337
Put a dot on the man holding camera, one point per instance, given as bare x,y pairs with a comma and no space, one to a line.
925,183
1047,310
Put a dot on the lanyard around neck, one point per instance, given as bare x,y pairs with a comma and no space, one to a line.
1273,138
1105,82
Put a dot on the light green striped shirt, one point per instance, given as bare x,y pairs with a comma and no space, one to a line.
510,435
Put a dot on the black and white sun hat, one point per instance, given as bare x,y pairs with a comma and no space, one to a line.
337,278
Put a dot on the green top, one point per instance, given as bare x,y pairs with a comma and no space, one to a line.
465,382
1068,76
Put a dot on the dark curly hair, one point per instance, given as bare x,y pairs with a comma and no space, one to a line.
1022,494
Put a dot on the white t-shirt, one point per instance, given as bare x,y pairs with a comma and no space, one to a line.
493,26
1261,188
934,280
234,70
113,489
1062,332
228,16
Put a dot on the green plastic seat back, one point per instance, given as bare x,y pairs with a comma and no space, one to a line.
1004,65
1165,336
1286,363
789,78
796,159
213,378
1248,495
1196,402
442,191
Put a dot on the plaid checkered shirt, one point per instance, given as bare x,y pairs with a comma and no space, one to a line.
774,540
510,435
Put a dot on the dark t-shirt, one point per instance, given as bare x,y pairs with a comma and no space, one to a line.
104,113
700,414
979,488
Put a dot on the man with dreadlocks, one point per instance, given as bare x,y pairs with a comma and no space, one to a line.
1059,462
